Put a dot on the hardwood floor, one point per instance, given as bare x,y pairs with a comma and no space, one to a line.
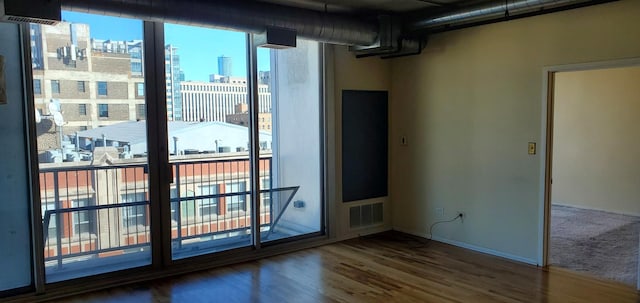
390,267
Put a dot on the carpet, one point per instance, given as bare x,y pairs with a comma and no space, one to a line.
598,243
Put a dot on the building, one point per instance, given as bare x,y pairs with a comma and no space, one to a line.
93,82
461,116
184,138
213,101
174,76
241,117
264,77
225,66
134,48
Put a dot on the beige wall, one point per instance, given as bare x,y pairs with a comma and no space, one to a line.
350,73
596,151
470,103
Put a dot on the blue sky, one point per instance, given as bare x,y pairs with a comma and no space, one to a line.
198,48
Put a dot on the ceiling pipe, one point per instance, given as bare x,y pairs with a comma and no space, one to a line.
495,10
241,15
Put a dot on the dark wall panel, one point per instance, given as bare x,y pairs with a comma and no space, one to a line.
364,144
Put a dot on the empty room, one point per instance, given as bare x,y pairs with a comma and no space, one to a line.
311,151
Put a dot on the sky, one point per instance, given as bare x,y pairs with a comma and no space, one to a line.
199,48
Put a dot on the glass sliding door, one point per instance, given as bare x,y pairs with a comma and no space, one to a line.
207,113
91,144
291,138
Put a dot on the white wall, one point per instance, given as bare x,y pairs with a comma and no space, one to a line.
596,151
15,237
470,103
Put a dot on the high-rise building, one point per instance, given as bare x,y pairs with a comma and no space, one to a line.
224,66
213,101
174,76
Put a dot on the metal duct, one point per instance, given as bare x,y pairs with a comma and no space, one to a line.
487,11
241,15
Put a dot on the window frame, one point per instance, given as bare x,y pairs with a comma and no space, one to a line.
103,110
37,89
102,88
82,86
247,185
55,87
82,109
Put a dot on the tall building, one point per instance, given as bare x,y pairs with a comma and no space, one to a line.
174,76
225,66
213,101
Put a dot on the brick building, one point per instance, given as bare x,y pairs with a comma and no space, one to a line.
92,80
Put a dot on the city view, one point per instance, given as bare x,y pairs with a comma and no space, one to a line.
91,127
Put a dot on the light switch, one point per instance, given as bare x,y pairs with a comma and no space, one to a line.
532,148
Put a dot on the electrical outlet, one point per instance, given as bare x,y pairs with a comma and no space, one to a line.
464,216
404,141
439,212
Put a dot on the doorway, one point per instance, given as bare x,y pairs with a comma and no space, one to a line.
592,214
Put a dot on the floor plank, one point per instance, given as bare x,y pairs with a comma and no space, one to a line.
390,267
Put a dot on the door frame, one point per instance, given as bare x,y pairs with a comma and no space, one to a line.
546,144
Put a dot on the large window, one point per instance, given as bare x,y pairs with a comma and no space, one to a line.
291,133
209,154
96,195
86,172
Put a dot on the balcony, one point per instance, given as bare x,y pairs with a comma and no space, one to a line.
96,218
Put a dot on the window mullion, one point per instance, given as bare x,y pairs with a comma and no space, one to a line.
254,152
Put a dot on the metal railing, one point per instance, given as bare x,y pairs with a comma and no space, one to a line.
101,211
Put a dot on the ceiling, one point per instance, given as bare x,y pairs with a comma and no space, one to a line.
361,6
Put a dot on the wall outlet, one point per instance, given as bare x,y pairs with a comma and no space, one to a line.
439,212
464,216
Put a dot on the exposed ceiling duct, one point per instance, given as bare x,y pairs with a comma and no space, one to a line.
490,12
242,15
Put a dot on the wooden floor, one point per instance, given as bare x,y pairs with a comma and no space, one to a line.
385,268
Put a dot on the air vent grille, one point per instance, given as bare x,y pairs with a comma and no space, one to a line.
31,20
366,215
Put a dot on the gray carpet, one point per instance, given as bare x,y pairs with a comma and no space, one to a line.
598,243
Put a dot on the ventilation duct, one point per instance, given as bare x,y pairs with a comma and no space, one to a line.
389,43
242,15
492,11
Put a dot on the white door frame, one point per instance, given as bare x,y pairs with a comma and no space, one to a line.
546,145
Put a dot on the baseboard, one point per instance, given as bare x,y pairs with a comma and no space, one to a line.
355,233
633,214
480,249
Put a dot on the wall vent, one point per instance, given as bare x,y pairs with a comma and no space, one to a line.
31,20
366,215
31,11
